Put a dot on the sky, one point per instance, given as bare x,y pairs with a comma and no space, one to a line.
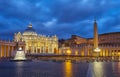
59,17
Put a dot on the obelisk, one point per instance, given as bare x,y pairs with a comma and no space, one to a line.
96,48
95,35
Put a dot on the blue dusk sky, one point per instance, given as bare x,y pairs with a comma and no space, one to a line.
61,17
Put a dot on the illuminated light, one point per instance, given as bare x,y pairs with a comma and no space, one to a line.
97,50
76,52
68,52
82,53
20,48
118,53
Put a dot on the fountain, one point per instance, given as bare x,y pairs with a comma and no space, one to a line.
20,56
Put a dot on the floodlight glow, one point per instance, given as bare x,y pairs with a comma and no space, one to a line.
97,50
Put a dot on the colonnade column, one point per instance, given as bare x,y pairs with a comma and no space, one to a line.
45,49
88,51
115,52
106,52
84,51
4,50
12,52
110,53
0,51
8,51
101,53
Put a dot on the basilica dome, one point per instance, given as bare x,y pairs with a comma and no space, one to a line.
30,31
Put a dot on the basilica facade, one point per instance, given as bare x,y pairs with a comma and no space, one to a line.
36,43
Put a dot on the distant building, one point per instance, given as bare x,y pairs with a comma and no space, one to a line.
36,43
109,44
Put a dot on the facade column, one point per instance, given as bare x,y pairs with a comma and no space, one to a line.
40,49
36,50
48,49
43,49
52,50
106,52
117,52
88,51
84,51
113,52
109,51
103,54
32,49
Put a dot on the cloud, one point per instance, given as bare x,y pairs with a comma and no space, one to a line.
50,23
61,17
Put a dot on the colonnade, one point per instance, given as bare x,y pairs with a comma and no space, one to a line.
8,48
87,50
